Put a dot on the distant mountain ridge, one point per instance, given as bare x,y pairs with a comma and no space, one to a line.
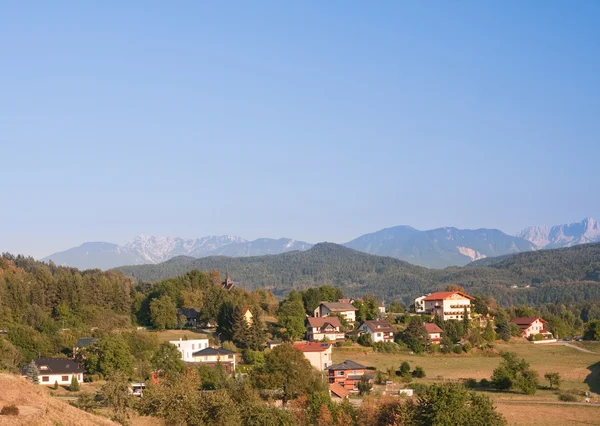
558,236
146,249
441,247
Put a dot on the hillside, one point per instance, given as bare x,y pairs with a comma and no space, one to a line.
439,248
358,273
38,408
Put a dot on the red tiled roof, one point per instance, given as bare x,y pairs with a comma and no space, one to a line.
526,321
441,295
338,390
432,328
319,322
312,346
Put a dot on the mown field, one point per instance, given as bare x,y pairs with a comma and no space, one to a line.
579,370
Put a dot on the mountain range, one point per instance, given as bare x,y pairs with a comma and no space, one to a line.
436,248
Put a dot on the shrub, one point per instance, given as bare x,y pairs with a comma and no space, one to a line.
418,372
386,347
74,384
10,410
230,346
55,387
471,383
419,388
467,347
365,340
538,337
404,368
253,357
484,383
457,349
568,397
434,349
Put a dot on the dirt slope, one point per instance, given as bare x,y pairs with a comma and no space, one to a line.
38,408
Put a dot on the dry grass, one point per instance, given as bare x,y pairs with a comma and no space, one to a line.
548,415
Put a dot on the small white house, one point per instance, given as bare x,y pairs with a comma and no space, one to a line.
380,330
61,370
420,305
188,347
345,309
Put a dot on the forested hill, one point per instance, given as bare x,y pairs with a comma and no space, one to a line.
359,273
577,263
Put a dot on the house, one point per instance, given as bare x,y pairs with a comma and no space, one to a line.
434,332
530,326
337,392
448,304
248,316
188,347
347,374
420,305
322,328
83,342
345,309
191,316
212,356
380,330
61,370
319,354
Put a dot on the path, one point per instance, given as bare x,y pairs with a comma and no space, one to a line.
573,346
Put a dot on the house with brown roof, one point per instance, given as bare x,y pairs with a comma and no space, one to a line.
318,354
345,309
337,392
323,328
448,304
434,332
347,374
530,326
380,330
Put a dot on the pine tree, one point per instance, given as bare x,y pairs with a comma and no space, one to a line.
489,334
257,334
240,331
74,384
466,322
31,372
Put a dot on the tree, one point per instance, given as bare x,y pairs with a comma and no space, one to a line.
55,387
514,372
418,372
167,359
364,385
108,355
554,379
365,339
503,326
9,356
452,404
287,369
592,330
404,368
456,287
116,394
415,336
396,307
256,333
31,372
488,333
74,387
466,321
291,317
163,313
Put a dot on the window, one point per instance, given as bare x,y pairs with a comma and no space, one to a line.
45,379
340,373
64,378
193,346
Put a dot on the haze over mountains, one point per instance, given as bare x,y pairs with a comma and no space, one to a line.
436,248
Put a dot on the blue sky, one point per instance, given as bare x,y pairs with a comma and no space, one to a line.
306,120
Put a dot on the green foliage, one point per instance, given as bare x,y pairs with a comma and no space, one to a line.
10,356
212,378
457,349
568,397
415,335
167,359
386,347
515,373
108,355
467,347
592,330
554,380
55,386
74,387
287,369
396,307
31,373
364,385
116,394
365,339
488,333
315,295
291,317
254,357
163,313
418,372
404,368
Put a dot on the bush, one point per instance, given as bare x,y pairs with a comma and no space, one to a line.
419,388
365,340
467,347
484,383
386,347
74,384
471,383
418,372
568,397
434,349
404,368
457,349
10,410
55,387
253,357
230,346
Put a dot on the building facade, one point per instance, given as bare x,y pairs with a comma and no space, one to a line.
324,328
448,305
345,309
347,374
214,356
434,332
188,347
380,330
61,370
530,326
318,354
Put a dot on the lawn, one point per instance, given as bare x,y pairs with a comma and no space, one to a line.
576,368
548,414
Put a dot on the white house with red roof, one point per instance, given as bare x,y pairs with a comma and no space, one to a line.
319,354
434,332
530,326
322,328
448,304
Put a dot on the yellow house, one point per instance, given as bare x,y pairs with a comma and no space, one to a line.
247,316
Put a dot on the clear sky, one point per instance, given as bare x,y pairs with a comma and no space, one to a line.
310,120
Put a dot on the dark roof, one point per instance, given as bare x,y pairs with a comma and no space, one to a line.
527,320
189,312
338,307
214,351
58,366
380,326
82,342
347,365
